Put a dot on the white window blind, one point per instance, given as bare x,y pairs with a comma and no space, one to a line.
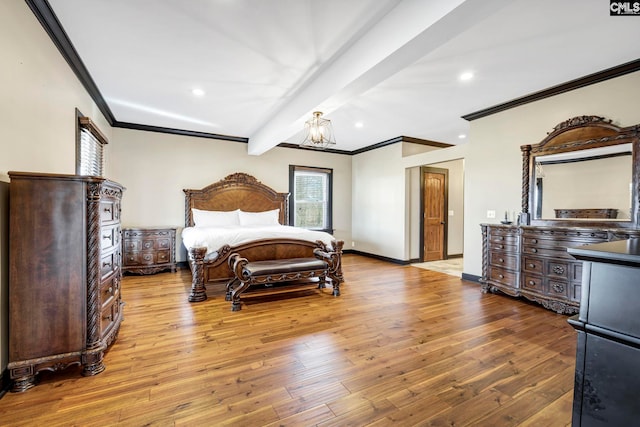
311,190
90,149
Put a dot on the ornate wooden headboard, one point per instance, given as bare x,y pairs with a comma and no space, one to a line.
236,191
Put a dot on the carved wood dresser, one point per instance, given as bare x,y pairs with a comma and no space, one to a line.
533,262
530,259
65,306
149,250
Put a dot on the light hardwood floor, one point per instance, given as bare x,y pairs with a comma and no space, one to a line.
402,346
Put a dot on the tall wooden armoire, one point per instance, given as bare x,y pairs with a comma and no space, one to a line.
65,263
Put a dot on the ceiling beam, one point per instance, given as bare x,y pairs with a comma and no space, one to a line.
407,33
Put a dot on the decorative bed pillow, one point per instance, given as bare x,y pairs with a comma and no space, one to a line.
259,218
202,218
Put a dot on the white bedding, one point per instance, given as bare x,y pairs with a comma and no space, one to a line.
213,238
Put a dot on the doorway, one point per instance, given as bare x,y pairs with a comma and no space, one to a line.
434,201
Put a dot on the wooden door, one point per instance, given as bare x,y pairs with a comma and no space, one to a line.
434,213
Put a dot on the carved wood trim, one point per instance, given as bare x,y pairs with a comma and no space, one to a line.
93,265
580,133
526,158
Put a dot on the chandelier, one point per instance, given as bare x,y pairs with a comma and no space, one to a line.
318,132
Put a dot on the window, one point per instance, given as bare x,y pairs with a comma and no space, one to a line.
310,200
90,144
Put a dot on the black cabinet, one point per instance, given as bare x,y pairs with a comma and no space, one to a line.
607,380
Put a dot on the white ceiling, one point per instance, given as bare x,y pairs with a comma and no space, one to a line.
392,65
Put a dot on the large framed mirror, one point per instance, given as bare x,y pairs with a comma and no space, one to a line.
584,173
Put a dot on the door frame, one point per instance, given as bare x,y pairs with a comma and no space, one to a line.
445,234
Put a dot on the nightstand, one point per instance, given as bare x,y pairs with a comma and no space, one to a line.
148,250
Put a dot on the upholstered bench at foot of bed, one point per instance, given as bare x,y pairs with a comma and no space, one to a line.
280,270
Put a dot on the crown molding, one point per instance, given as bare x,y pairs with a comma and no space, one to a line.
183,132
49,21
598,77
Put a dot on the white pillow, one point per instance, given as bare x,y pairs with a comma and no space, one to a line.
203,218
259,218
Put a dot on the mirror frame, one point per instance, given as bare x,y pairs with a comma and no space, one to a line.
581,133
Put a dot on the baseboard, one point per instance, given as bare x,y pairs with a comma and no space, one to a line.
454,256
380,257
4,383
471,277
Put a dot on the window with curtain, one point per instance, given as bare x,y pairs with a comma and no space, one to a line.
310,200
90,144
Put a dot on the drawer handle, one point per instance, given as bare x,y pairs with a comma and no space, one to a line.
532,266
534,250
501,246
110,289
501,237
532,283
106,236
109,318
106,264
107,210
500,259
558,269
501,276
534,240
558,287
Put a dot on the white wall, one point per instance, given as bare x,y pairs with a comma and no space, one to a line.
378,213
493,162
156,167
39,96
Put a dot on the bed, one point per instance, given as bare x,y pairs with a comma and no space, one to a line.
245,195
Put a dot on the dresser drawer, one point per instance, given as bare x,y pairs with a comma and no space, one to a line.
132,245
505,277
109,315
507,261
147,257
109,237
109,210
508,239
556,269
163,257
108,263
163,243
504,247
557,252
558,288
531,282
575,271
575,291
533,265
109,290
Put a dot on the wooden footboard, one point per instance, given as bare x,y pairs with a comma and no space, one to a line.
242,191
217,271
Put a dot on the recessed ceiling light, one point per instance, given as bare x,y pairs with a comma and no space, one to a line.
198,92
359,124
467,75
462,136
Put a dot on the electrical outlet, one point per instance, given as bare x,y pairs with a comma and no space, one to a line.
491,214
353,244
450,213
